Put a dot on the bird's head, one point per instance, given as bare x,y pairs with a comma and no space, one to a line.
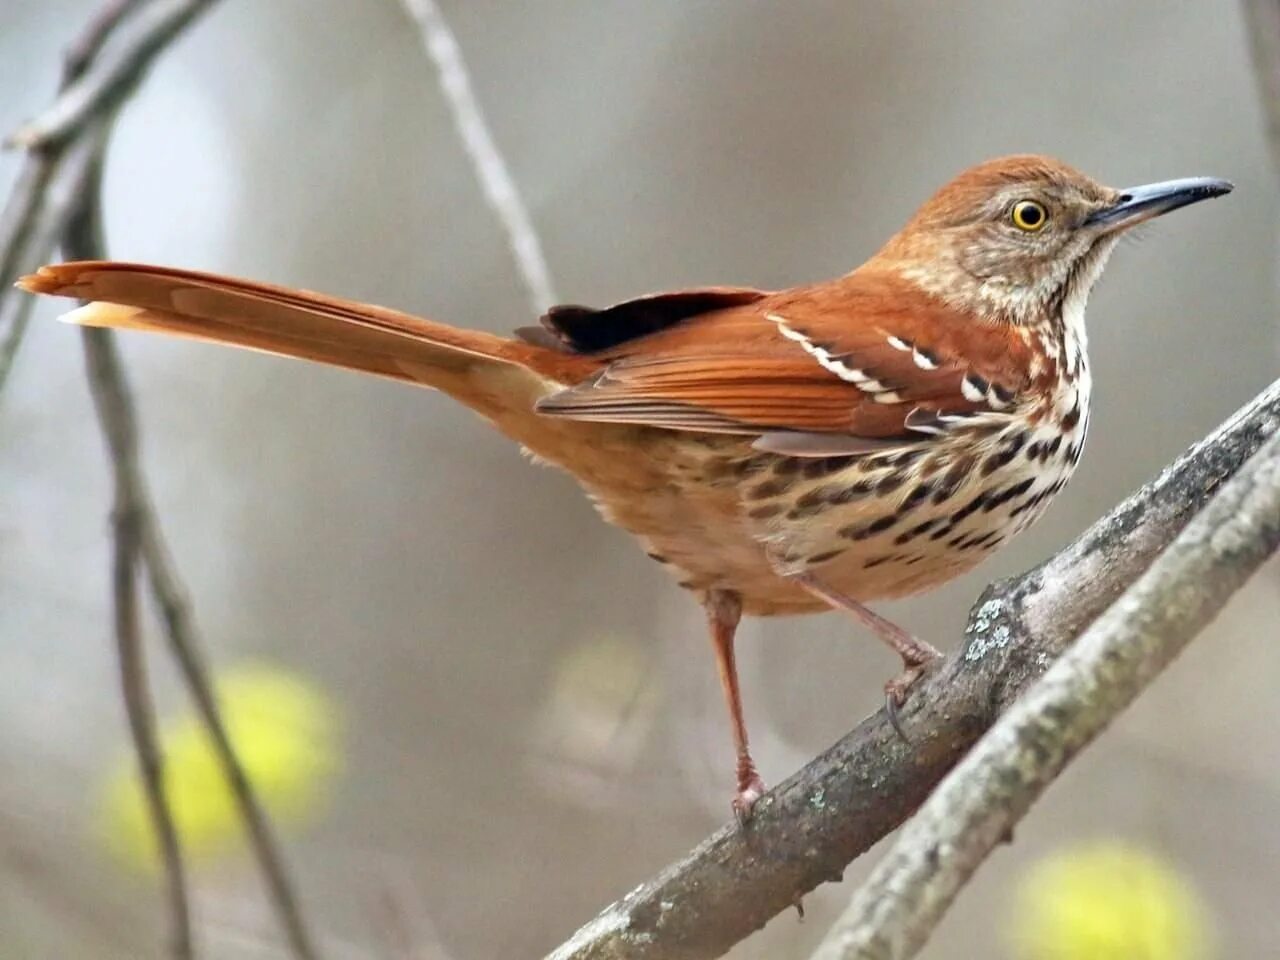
1013,239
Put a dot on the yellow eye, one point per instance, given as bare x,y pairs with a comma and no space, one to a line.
1029,215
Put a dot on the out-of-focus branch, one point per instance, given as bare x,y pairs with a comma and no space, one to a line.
111,69
892,914
499,186
44,194
180,633
58,197
138,537
114,414
1262,18
809,828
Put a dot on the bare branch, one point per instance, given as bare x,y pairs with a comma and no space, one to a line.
113,73
180,632
891,916
114,406
808,829
140,538
499,186
1263,20
82,52
114,413
58,195
43,196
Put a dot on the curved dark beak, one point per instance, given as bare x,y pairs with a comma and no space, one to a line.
1138,204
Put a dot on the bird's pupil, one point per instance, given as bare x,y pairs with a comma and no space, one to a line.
1030,214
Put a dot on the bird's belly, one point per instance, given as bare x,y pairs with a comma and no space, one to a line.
719,515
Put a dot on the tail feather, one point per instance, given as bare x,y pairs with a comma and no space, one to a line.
293,323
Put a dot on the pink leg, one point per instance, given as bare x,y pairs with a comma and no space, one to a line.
724,609
917,656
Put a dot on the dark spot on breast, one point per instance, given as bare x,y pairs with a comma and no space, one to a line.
969,508
943,531
658,557
752,465
920,528
904,458
977,540
766,512
824,466
1073,416
1030,504
1002,457
1072,455
890,482
918,495
1009,493
862,531
1052,448
769,488
816,497
952,480
1033,450
853,491
877,561
882,524
825,556
788,466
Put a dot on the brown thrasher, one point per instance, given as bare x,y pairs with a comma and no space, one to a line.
860,438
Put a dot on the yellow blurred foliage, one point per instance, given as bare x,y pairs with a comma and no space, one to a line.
1108,900
285,731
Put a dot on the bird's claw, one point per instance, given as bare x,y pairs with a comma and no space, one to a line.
896,690
749,791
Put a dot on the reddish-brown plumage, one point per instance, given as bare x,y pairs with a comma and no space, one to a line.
781,452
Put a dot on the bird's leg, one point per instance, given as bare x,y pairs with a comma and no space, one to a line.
724,610
917,656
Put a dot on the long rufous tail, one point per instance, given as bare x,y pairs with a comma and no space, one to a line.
498,377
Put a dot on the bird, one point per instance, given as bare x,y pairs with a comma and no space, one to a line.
816,448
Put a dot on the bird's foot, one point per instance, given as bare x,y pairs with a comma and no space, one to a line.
924,659
750,789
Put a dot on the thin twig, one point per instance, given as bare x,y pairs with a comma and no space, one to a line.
1262,18
38,206
114,408
809,828
113,72
891,916
96,32
170,596
500,190
144,540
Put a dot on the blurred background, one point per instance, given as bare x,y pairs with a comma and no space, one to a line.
500,715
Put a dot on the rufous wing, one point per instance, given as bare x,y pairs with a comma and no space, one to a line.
868,357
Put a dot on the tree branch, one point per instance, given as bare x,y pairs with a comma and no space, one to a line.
113,405
138,537
58,196
47,186
110,71
1263,20
809,828
500,190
